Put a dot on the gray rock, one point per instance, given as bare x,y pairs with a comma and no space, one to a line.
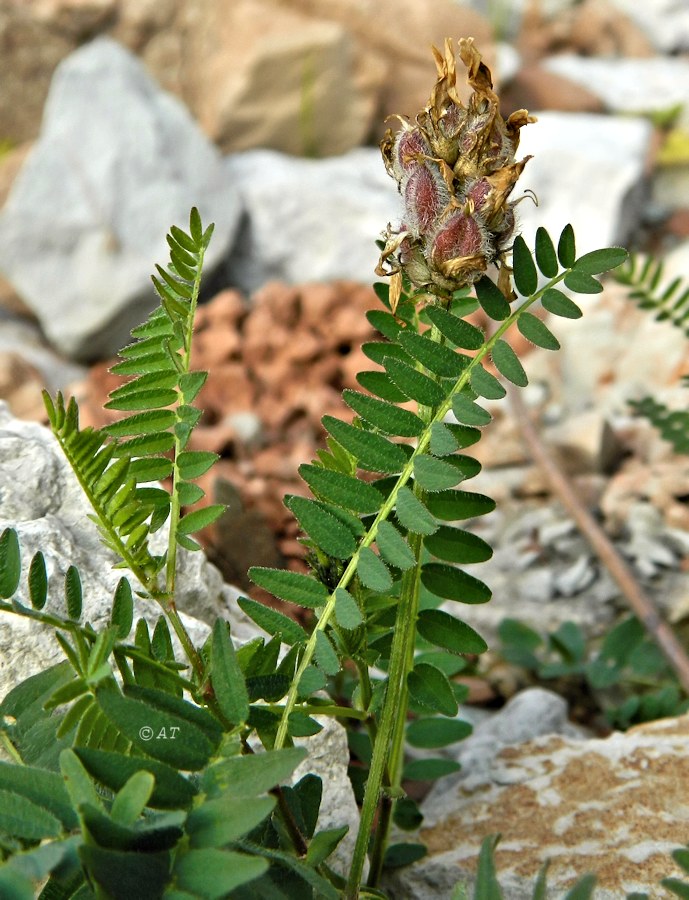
629,85
665,22
588,805
117,163
41,498
586,170
309,220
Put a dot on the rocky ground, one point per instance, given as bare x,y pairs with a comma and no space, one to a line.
111,140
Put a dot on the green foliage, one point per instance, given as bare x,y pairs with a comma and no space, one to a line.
137,770
625,674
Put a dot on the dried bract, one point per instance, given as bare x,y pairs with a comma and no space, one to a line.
456,168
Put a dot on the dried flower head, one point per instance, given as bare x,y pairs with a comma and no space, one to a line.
455,167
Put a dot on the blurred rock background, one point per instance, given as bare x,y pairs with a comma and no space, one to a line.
116,116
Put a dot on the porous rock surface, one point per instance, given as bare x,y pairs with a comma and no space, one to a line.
612,806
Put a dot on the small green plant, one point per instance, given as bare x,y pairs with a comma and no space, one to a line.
626,675
96,807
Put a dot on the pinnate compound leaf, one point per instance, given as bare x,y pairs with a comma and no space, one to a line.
581,283
469,413
324,528
384,416
343,490
393,547
537,332
10,563
546,257
559,304
566,247
435,474
347,610
454,584
226,676
444,630
430,688
38,581
492,299
73,593
432,733
599,261
414,384
430,769
458,546
291,586
508,364
525,274
273,622
200,518
486,384
372,571
412,513
372,451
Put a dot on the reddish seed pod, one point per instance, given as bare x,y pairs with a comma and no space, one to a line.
461,235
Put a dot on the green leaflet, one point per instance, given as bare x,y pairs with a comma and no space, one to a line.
455,545
443,441
394,548
508,364
372,571
461,333
492,299
273,622
226,676
599,261
219,822
171,790
468,412
566,248
432,733
581,283
385,322
343,490
10,563
430,769
73,593
122,614
380,384
384,416
38,581
327,531
45,789
454,584
372,451
435,357
537,332
435,474
347,610
412,513
559,304
444,630
379,351
430,688
414,384
325,655
524,274
291,586
171,733
245,777
546,257
485,384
